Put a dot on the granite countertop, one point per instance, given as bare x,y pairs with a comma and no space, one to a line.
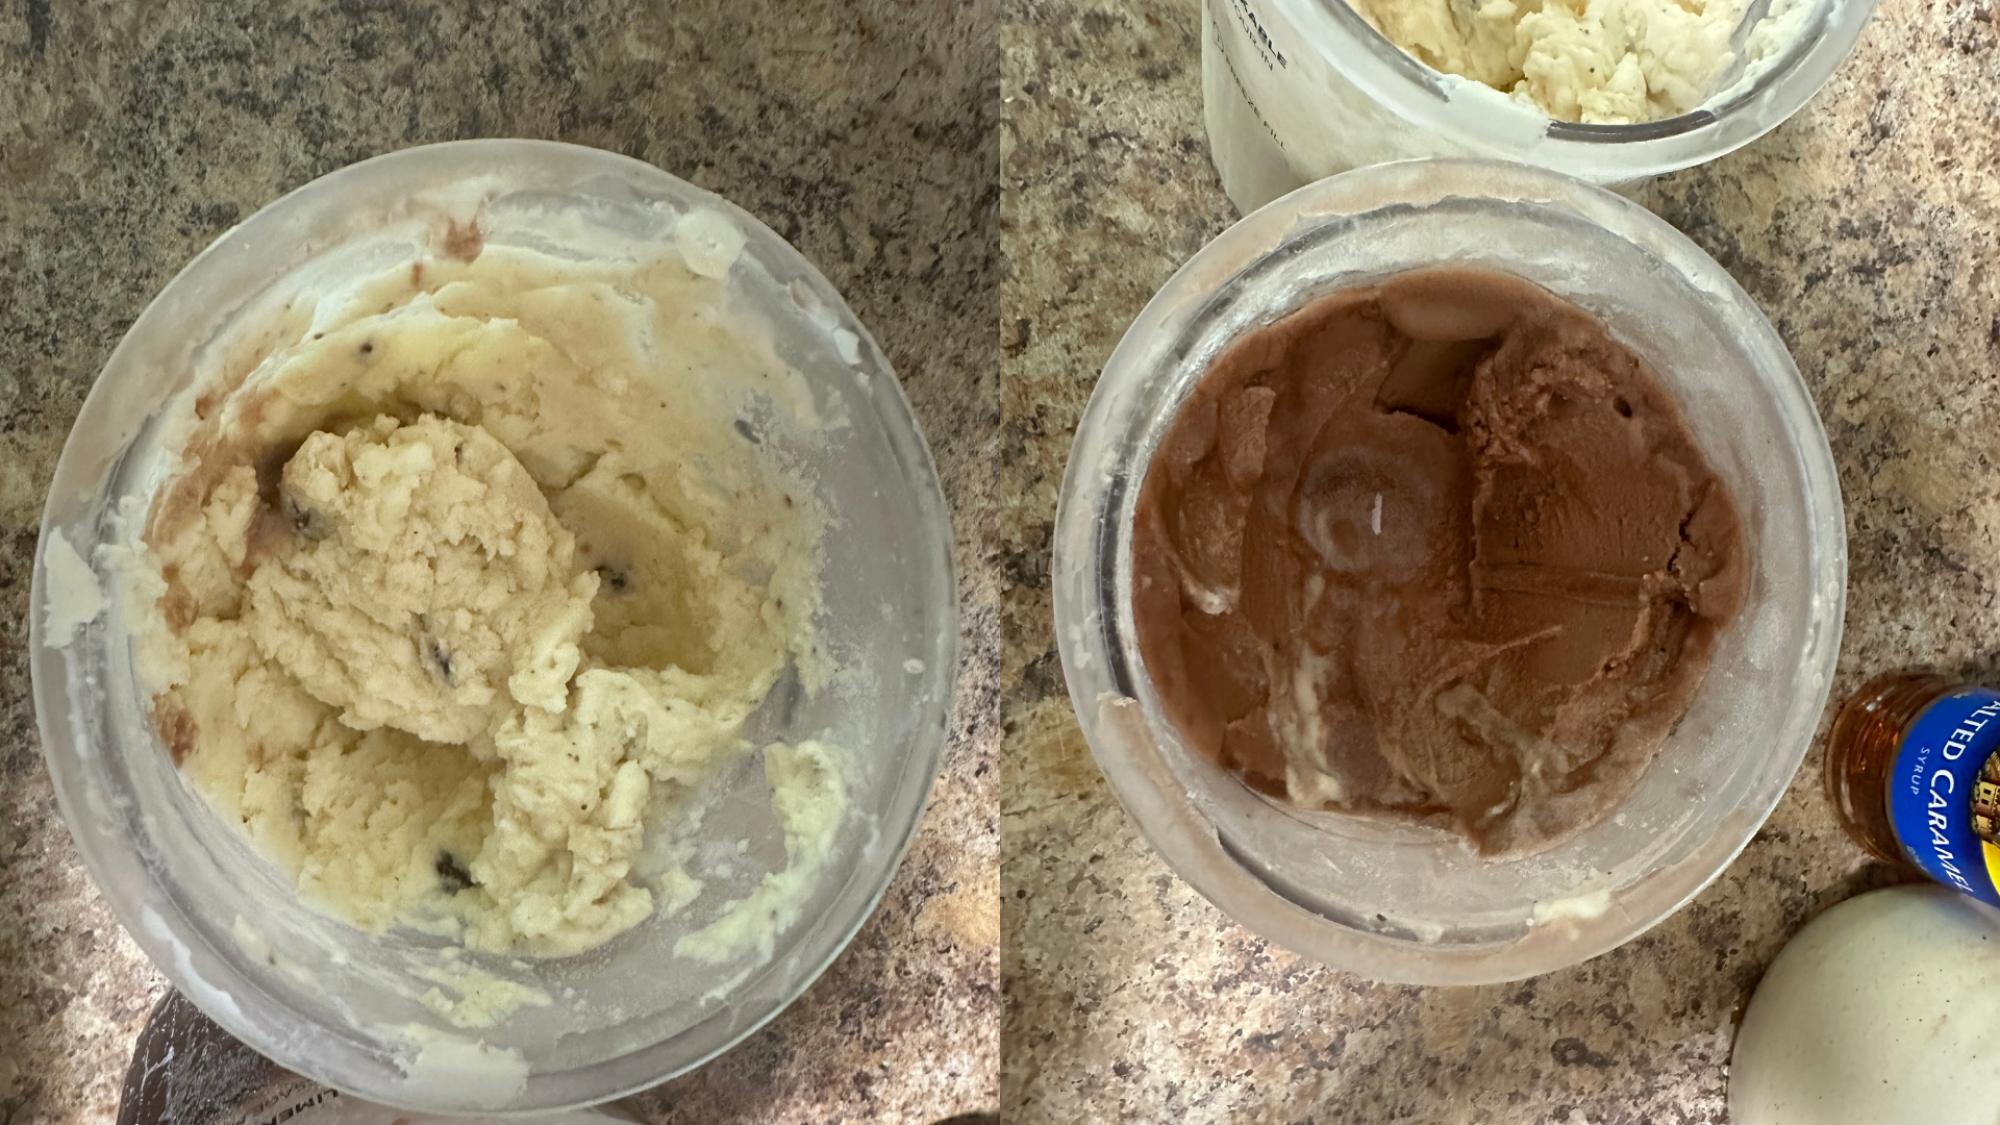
1864,227
131,138
131,135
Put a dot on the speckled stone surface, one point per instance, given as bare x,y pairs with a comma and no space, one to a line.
1865,228
133,134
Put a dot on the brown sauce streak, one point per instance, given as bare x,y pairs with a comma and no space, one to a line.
176,726
462,241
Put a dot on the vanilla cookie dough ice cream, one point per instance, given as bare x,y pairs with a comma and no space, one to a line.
1600,62
473,571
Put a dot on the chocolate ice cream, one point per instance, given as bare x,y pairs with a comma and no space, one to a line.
1440,548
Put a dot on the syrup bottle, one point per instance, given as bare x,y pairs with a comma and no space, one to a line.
1913,772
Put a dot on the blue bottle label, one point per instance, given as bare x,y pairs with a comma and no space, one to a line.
1944,792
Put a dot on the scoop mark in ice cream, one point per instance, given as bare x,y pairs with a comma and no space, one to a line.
1438,548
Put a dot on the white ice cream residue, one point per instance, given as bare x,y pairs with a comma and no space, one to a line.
74,598
472,1072
709,242
205,995
848,345
1575,908
810,796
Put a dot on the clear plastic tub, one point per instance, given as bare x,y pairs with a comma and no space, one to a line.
1402,902
313,993
1296,90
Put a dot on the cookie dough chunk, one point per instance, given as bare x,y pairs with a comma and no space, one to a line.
429,585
